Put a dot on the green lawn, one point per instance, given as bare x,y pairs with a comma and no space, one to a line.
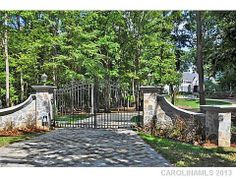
136,119
5,140
70,118
187,155
193,104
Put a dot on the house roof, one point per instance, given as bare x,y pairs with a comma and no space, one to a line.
189,76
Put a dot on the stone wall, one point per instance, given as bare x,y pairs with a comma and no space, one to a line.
43,108
149,107
36,111
19,116
167,112
182,124
218,123
170,120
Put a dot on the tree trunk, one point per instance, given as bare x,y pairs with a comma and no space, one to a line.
22,86
7,63
172,93
54,76
137,96
200,59
133,88
21,72
107,94
107,85
128,100
54,73
136,81
26,88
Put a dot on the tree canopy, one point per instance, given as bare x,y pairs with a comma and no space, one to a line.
124,47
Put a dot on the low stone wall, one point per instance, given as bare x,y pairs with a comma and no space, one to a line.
218,123
19,116
182,124
168,120
167,112
163,118
36,111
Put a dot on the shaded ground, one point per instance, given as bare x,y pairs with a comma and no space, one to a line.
110,120
187,155
103,120
82,147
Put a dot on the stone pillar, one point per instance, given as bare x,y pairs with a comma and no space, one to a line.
218,123
44,112
149,102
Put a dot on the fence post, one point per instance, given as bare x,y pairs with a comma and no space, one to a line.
92,98
44,108
149,102
95,100
218,123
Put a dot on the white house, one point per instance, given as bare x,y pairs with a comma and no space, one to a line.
189,82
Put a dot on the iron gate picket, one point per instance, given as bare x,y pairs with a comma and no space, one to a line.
91,105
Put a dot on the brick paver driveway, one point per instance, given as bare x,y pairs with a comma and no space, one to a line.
82,147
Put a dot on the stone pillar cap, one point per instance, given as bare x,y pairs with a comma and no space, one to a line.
152,89
43,88
219,108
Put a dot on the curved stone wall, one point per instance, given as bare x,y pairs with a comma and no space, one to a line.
172,111
162,118
181,124
171,121
19,116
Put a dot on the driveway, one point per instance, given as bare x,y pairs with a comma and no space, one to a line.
110,120
83,148
231,100
103,120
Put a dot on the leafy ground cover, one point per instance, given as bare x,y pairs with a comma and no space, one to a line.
188,155
136,119
70,118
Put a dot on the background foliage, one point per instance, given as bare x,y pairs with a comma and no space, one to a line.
124,47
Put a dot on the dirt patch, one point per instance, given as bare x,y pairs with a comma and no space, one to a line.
185,107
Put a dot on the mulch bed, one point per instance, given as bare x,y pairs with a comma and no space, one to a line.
18,132
214,145
10,133
211,144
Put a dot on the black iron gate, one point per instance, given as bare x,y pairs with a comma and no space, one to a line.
91,105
